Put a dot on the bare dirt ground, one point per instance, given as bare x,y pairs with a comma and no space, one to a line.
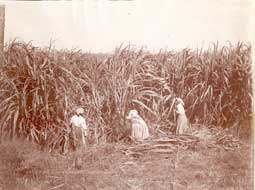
108,167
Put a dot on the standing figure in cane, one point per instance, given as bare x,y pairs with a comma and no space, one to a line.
182,121
79,127
79,134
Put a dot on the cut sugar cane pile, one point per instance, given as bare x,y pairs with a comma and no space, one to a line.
163,146
212,139
41,88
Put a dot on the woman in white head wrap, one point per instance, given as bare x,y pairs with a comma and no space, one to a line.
182,122
79,126
140,130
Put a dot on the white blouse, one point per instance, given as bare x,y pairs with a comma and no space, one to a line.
79,121
180,109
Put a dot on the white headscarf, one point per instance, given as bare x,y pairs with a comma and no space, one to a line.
79,111
179,100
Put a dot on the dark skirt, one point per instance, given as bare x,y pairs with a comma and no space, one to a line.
74,139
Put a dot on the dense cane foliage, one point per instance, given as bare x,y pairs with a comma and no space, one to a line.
40,88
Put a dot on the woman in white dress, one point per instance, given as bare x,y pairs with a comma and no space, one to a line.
182,121
140,130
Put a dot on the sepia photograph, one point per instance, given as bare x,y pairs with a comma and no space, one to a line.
127,95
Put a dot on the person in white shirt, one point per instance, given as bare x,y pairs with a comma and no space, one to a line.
182,121
79,127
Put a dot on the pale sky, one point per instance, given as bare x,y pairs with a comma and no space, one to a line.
101,25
